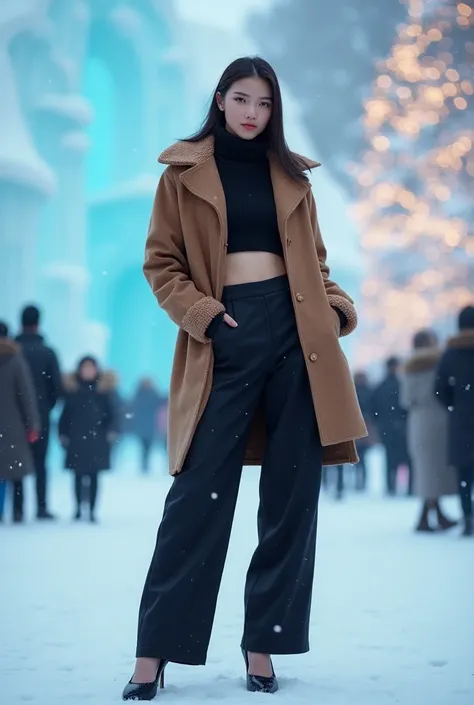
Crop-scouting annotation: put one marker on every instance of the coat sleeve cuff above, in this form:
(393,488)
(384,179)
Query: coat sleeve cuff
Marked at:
(199,316)
(340,304)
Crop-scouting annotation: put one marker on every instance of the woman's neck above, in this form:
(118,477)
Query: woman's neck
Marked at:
(234,148)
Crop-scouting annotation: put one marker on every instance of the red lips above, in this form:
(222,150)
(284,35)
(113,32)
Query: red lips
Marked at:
(248,126)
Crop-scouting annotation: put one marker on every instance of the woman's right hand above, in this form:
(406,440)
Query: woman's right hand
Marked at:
(230,321)
(216,324)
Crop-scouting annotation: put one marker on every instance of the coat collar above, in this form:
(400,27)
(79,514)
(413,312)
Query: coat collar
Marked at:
(202,178)
(30,338)
(422,361)
(106,382)
(193,153)
(463,341)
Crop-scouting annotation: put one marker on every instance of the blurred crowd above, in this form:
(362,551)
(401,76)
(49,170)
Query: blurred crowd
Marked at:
(421,413)
(93,418)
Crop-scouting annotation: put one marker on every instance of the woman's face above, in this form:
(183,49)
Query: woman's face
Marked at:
(247,106)
(88,371)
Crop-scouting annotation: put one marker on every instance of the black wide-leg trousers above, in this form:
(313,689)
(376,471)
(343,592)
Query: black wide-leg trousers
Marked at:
(260,361)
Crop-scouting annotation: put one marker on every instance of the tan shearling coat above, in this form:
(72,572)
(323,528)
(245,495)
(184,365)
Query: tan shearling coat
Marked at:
(184,265)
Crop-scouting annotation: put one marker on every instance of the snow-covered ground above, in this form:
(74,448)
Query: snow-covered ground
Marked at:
(392,622)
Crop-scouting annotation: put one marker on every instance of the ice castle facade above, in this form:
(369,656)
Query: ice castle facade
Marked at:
(92,90)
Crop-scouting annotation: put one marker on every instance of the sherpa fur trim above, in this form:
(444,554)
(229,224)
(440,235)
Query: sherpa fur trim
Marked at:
(422,360)
(191,153)
(464,340)
(107,382)
(8,347)
(199,316)
(347,309)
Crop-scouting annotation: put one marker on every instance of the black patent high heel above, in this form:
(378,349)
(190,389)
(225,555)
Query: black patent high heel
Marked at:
(260,684)
(146,691)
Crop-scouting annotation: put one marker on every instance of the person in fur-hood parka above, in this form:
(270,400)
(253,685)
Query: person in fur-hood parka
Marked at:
(427,432)
(88,425)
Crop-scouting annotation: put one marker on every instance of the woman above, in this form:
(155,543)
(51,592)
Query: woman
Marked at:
(235,257)
(87,428)
(19,422)
(427,432)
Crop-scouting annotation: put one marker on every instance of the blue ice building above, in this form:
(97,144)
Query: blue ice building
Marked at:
(93,91)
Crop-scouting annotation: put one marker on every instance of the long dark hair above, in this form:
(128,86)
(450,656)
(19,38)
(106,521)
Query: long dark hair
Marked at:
(247,67)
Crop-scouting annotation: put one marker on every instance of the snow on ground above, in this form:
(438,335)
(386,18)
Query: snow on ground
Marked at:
(392,621)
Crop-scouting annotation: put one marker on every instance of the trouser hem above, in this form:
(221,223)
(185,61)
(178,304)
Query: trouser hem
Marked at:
(173,658)
(262,648)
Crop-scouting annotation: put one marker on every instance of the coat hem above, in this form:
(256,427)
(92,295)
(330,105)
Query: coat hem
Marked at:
(326,443)
(256,461)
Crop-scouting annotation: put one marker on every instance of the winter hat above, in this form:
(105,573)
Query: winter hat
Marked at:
(466,318)
(87,358)
(425,338)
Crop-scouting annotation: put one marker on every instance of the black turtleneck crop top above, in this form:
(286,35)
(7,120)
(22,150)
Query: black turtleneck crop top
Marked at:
(245,175)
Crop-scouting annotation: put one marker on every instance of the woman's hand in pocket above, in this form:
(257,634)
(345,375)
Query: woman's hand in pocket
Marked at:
(337,322)
(216,325)
(230,321)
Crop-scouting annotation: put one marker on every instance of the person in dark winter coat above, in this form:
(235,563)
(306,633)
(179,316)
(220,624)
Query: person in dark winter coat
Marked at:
(427,432)
(390,421)
(364,396)
(146,406)
(44,368)
(88,427)
(19,422)
(454,388)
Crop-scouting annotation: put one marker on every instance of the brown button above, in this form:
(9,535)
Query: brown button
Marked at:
(299,297)
(313,357)
(288,240)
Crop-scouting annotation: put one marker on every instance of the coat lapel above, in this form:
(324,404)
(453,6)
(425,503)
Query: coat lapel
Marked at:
(288,193)
(202,179)
(204,182)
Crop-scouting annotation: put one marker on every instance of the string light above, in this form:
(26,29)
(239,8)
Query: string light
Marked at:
(416,179)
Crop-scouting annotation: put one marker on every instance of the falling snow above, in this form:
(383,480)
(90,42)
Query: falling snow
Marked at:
(391,620)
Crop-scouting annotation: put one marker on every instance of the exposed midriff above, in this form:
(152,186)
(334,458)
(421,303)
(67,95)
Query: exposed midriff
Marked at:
(245,267)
